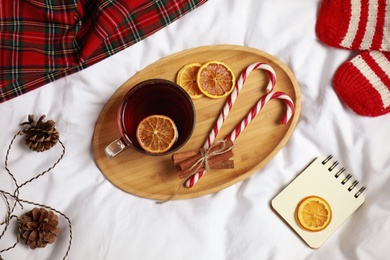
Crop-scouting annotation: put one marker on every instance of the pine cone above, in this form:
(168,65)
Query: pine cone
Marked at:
(40,136)
(39,227)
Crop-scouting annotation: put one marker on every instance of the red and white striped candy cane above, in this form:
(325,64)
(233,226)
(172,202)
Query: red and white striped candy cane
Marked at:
(228,106)
(249,117)
(233,96)
(256,109)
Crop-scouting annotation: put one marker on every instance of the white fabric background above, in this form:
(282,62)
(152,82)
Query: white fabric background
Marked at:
(235,223)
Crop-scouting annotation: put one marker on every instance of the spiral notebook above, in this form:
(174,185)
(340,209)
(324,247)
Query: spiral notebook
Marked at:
(325,179)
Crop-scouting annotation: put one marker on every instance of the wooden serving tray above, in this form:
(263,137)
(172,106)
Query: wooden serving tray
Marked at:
(155,177)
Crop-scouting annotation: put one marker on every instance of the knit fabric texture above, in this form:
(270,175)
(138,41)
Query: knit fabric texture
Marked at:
(355,24)
(363,83)
(41,41)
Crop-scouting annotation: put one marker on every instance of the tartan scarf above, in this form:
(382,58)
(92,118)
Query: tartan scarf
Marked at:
(44,40)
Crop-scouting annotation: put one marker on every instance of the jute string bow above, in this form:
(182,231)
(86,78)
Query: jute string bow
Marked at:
(201,160)
(207,154)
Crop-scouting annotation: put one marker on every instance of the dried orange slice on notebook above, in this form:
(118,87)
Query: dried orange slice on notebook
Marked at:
(156,133)
(186,78)
(215,79)
(314,213)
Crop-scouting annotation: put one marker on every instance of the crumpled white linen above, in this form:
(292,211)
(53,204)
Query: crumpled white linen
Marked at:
(237,222)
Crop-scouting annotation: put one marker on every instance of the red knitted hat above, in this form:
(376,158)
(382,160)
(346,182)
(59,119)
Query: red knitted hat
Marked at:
(355,24)
(363,83)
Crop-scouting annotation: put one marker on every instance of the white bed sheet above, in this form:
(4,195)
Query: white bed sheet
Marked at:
(237,222)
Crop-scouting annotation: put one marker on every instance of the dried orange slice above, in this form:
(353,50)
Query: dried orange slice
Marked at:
(156,133)
(314,213)
(186,78)
(215,79)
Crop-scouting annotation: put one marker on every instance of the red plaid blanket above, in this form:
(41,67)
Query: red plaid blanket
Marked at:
(41,41)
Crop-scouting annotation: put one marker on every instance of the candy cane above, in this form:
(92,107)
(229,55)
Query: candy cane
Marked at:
(245,122)
(233,96)
(256,109)
(228,106)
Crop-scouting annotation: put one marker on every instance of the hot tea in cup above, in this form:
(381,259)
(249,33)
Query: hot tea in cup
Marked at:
(150,104)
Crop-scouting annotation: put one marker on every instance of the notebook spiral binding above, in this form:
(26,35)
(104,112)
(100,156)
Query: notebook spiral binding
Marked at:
(346,178)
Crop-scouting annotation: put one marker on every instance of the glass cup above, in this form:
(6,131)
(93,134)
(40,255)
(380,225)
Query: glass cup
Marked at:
(153,97)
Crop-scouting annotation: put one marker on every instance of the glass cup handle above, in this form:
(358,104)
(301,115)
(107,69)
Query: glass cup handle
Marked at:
(115,147)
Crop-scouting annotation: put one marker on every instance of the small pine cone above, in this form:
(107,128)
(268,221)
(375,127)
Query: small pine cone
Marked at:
(40,135)
(39,227)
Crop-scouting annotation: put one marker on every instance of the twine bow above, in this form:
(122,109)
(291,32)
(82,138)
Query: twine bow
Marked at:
(217,149)
(208,153)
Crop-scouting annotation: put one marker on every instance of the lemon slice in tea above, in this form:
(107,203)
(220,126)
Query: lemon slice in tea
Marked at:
(156,133)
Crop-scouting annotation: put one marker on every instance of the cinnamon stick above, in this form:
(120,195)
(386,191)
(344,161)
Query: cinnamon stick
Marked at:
(179,157)
(182,156)
(225,164)
(192,160)
(216,162)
